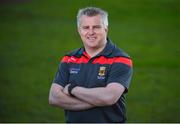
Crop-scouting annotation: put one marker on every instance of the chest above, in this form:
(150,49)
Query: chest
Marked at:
(89,74)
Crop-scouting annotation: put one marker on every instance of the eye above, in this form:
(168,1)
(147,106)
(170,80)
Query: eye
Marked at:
(97,27)
(85,27)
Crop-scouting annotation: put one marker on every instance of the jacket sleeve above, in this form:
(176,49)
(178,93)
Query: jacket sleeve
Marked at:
(62,74)
(120,73)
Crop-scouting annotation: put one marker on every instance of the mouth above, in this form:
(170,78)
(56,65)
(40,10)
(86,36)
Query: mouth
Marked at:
(91,38)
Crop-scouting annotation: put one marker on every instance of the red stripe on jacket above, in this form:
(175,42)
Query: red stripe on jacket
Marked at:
(99,60)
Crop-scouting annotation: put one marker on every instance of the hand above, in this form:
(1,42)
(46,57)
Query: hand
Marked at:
(65,90)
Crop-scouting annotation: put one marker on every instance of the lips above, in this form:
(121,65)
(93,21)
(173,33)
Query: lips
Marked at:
(91,38)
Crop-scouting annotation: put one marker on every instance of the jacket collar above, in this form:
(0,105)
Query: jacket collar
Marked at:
(105,52)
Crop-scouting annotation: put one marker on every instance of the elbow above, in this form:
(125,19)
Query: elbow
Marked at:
(106,101)
(52,102)
(110,100)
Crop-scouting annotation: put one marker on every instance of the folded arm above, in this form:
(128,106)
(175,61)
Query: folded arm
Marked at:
(60,99)
(101,96)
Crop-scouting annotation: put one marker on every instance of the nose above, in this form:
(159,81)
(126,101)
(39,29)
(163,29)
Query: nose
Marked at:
(91,31)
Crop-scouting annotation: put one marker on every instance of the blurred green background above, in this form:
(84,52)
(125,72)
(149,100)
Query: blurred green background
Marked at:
(34,35)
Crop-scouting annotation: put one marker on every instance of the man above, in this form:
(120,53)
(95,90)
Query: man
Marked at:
(91,82)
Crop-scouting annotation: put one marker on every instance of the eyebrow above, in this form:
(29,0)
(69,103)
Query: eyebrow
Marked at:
(92,26)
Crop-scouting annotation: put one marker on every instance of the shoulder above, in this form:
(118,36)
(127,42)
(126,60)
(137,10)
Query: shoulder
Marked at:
(120,56)
(76,53)
(118,52)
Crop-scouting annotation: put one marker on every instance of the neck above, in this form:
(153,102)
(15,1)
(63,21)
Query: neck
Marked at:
(94,51)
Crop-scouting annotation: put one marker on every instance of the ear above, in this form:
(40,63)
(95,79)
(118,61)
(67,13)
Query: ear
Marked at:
(106,29)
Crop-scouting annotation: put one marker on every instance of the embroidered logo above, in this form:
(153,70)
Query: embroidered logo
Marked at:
(102,71)
(74,70)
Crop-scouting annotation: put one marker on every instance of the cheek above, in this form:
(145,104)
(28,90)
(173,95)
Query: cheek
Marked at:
(102,34)
(82,33)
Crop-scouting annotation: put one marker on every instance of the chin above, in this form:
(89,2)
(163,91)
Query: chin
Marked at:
(92,44)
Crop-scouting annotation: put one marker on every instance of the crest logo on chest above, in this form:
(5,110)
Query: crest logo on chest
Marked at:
(102,71)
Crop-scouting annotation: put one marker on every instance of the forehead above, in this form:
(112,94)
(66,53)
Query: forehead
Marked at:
(90,20)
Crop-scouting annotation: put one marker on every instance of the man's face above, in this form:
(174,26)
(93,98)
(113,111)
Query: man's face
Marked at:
(92,31)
